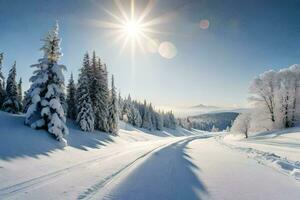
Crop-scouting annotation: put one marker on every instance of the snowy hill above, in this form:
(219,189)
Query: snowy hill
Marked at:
(18,140)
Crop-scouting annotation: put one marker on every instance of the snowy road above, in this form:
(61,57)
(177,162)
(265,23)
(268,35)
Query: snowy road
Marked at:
(193,167)
(200,168)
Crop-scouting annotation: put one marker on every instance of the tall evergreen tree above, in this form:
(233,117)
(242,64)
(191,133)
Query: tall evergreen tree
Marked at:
(134,116)
(120,106)
(2,82)
(100,95)
(147,118)
(113,110)
(71,99)
(20,94)
(159,121)
(47,90)
(85,113)
(12,103)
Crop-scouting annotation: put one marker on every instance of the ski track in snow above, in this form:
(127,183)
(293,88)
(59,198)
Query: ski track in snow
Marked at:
(28,185)
(40,181)
(91,192)
(282,165)
(37,182)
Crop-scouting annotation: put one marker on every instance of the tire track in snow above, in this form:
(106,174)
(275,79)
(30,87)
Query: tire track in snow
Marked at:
(93,190)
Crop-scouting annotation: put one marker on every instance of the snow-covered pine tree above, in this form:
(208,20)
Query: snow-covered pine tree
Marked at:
(173,122)
(153,118)
(113,110)
(85,114)
(12,103)
(45,108)
(71,99)
(101,95)
(2,82)
(120,106)
(147,118)
(132,114)
(159,121)
(126,108)
(20,94)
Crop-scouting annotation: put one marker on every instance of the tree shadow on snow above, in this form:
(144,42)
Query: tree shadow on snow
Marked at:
(18,140)
(167,174)
(84,140)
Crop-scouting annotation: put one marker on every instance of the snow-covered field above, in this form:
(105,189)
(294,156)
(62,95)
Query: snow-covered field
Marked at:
(141,165)
(277,149)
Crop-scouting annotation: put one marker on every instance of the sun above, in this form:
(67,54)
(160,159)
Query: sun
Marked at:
(132,29)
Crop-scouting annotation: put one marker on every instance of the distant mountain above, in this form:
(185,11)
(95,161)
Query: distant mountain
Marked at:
(202,106)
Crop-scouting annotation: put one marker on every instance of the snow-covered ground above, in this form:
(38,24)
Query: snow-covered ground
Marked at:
(277,149)
(135,165)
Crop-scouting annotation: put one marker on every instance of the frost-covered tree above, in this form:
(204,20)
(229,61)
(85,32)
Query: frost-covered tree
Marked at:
(242,124)
(46,92)
(71,99)
(12,103)
(263,90)
(287,95)
(113,118)
(2,82)
(85,113)
(275,95)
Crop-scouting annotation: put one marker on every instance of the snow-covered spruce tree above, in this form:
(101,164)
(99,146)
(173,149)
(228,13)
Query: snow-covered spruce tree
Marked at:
(134,117)
(45,108)
(12,103)
(2,82)
(147,118)
(71,99)
(159,121)
(99,94)
(113,111)
(173,122)
(153,118)
(120,106)
(20,94)
(126,108)
(85,113)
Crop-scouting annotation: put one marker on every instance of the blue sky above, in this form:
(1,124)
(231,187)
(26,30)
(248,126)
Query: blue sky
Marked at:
(212,66)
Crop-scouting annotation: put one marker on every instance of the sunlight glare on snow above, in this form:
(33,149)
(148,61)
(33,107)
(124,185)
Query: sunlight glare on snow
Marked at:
(167,50)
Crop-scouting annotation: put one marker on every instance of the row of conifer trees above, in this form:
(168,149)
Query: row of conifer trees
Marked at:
(90,102)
